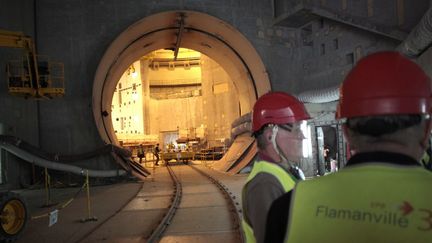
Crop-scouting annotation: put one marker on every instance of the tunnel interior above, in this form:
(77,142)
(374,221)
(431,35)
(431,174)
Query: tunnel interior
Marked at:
(218,43)
(183,104)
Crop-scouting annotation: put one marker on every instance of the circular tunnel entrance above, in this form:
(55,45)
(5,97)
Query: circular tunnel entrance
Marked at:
(172,30)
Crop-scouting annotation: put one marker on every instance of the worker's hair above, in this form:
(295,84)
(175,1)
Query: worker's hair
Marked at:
(403,129)
(380,125)
(261,141)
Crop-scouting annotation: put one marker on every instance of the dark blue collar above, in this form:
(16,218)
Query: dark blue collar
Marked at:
(382,157)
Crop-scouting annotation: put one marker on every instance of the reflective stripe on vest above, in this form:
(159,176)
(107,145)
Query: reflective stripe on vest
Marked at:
(284,178)
(365,203)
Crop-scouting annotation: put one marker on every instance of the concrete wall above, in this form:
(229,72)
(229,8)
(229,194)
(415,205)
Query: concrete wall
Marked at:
(78,32)
(18,117)
(221,107)
(175,114)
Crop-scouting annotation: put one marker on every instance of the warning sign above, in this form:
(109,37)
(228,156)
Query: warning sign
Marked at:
(53,218)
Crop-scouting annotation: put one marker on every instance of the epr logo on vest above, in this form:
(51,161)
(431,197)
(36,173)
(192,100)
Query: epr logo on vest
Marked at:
(386,217)
(380,214)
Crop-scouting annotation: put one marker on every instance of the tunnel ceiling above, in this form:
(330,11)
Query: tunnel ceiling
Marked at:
(186,29)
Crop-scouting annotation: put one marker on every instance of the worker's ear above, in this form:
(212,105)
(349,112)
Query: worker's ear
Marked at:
(267,133)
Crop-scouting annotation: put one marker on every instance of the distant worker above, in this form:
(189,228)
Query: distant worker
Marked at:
(383,194)
(178,153)
(156,151)
(327,158)
(276,123)
(140,153)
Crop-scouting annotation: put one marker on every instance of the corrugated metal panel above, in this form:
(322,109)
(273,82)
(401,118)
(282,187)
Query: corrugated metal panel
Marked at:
(237,149)
(245,160)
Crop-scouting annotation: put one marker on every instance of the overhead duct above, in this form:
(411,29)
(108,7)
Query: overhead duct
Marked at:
(23,145)
(241,125)
(32,154)
(245,118)
(320,96)
(59,166)
(240,129)
(419,39)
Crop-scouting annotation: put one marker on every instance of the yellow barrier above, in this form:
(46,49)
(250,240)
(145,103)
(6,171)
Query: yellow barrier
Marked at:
(89,217)
(64,205)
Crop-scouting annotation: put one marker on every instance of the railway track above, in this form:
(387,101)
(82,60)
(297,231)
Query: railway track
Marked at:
(190,178)
(191,206)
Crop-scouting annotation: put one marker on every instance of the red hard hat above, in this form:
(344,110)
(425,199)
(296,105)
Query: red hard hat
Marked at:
(277,108)
(384,83)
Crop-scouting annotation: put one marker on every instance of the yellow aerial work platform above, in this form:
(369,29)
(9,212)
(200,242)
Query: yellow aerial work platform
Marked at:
(32,75)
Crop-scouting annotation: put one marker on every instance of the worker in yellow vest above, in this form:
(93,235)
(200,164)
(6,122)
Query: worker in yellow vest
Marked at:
(384,193)
(276,120)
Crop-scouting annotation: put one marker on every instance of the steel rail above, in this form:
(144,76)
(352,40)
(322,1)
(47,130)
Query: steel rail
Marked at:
(166,221)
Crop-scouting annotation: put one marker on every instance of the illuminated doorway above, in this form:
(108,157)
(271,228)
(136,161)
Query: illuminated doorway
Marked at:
(171,30)
(191,96)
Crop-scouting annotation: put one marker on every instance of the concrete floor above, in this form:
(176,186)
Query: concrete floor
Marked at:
(131,210)
(202,215)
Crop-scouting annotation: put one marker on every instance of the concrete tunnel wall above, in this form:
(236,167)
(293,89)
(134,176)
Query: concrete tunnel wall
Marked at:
(229,48)
(78,33)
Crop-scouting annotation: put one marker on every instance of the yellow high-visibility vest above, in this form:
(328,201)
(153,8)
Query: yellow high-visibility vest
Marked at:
(284,178)
(364,203)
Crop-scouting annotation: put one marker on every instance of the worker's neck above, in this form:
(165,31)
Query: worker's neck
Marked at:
(270,157)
